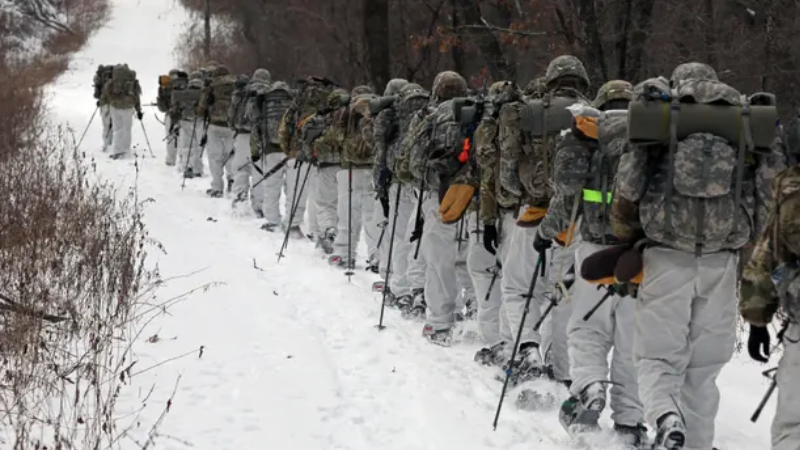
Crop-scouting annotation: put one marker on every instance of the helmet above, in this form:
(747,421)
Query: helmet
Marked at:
(410,88)
(502,92)
(262,76)
(174,73)
(393,86)
(338,98)
(449,85)
(196,83)
(613,90)
(219,71)
(693,71)
(535,88)
(564,66)
(361,90)
(196,75)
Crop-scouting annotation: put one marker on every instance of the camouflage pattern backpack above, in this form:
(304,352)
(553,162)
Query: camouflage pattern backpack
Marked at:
(237,110)
(176,80)
(219,97)
(123,89)
(101,77)
(357,146)
(184,101)
(274,102)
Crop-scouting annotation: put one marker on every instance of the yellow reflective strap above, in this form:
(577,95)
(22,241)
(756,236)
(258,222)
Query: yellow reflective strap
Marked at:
(593,196)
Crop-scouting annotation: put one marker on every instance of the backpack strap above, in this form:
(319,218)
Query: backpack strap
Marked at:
(745,143)
(675,108)
(546,105)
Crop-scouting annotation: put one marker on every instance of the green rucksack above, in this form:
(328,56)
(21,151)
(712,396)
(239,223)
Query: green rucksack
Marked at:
(221,94)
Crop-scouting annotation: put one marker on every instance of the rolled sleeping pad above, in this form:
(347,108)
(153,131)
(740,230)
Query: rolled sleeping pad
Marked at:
(376,105)
(630,267)
(649,122)
(599,267)
(559,117)
(459,105)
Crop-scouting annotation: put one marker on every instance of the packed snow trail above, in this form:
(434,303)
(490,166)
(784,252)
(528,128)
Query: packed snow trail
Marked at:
(291,356)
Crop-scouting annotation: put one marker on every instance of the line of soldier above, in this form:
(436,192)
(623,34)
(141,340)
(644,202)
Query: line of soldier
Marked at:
(567,228)
(118,96)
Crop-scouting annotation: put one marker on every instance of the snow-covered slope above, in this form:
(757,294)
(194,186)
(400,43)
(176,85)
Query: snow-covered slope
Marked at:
(291,356)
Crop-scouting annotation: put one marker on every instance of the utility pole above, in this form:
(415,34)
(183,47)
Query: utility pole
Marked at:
(207,49)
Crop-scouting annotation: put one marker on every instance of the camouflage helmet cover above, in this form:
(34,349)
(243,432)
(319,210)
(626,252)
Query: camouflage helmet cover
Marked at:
(220,71)
(394,86)
(174,72)
(563,66)
(196,83)
(410,88)
(196,75)
(501,92)
(693,71)
(613,90)
(449,85)
(361,90)
(338,98)
(536,88)
(262,76)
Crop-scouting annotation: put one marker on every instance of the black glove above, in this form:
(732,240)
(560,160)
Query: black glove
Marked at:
(490,238)
(98,103)
(385,205)
(758,343)
(418,226)
(203,141)
(139,115)
(255,158)
(541,244)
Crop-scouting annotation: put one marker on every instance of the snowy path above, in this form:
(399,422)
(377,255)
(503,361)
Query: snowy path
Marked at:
(291,358)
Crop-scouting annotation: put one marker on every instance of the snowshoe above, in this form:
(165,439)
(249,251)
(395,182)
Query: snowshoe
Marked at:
(378,286)
(170,163)
(404,302)
(581,413)
(338,261)
(188,173)
(373,268)
(230,186)
(269,226)
(533,400)
(492,356)
(213,193)
(325,242)
(472,309)
(116,156)
(634,437)
(443,338)
(258,213)
(528,365)
(417,307)
(671,434)
(390,300)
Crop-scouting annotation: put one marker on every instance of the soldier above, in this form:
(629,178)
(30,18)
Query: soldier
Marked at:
(772,282)
(585,167)
(176,80)
(525,172)
(433,160)
(495,212)
(123,94)
(356,202)
(218,137)
(260,83)
(182,107)
(697,212)
(101,77)
(313,94)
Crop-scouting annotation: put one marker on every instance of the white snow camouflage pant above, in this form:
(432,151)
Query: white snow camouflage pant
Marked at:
(269,190)
(355,209)
(440,251)
(417,267)
(240,163)
(122,124)
(685,330)
(189,143)
(326,197)
(108,130)
(312,216)
(398,284)
(554,344)
(786,425)
(218,149)
(611,326)
(297,175)
(465,240)
(171,140)
(492,319)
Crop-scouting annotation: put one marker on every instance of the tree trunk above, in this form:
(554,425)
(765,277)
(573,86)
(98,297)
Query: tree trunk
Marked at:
(591,42)
(642,23)
(624,28)
(376,33)
(709,32)
(490,49)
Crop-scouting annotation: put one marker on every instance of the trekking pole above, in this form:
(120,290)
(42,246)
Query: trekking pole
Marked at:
(147,139)
(87,127)
(389,261)
(297,167)
(609,293)
(495,275)
(419,214)
(528,297)
(350,264)
(272,171)
(189,154)
(767,395)
(295,205)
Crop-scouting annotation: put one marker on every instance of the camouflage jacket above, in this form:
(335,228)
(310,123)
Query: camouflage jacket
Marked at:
(259,144)
(287,133)
(385,140)
(402,170)
(587,170)
(121,97)
(493,196)
(772,276)
(357,145)
(325,134)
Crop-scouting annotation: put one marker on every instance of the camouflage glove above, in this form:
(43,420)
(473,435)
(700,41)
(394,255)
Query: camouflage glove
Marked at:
(758,343)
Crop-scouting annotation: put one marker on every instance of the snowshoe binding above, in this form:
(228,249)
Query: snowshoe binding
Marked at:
(325,241)
(213,193)
(258,213)
(389,299)
(404,302)
(528,365)
(339,261)
(418,306)
(472,309)
(378,286)
(671,434)
(230,186)
(117,156)
(495,355)
(189,174)
(579,414)
(442,338)
(269,226)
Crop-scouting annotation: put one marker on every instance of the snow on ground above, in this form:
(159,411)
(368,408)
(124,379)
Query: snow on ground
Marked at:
(292,358)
